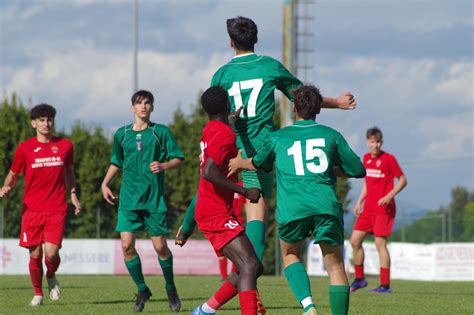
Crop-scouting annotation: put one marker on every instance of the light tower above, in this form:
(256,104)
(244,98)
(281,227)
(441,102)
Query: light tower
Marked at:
(297,46)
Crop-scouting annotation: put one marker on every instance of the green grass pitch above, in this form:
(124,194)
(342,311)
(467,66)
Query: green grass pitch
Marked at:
(114,295)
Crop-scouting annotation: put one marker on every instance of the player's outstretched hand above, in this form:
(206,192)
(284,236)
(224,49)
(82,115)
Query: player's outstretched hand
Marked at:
(346,101)
(4,191)
(235,164)
(76,203)
(108,195)
(181,237)
(252,194)
(156,167)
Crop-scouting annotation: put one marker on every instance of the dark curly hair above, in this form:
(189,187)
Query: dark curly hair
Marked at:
(308,101)
(42,110)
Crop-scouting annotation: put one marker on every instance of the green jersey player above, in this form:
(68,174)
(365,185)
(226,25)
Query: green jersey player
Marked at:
(143,151)
(307,157)
(250,81)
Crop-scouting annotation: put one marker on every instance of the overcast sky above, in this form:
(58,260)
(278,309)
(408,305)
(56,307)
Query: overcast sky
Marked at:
(409,64)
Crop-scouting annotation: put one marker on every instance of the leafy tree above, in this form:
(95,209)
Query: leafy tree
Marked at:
(15,127)
(92,158)
(460,197)
(468,222)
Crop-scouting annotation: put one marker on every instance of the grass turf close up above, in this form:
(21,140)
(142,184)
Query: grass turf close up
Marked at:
(115,295)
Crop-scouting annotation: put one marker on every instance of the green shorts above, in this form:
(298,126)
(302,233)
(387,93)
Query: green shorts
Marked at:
(260,180)
(139,220)
(324,228)
(256,179)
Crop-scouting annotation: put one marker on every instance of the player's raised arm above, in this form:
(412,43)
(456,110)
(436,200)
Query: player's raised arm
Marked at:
(345,101)
(8,184)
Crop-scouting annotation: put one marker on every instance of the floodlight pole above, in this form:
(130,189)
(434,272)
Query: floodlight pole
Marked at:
(135,47)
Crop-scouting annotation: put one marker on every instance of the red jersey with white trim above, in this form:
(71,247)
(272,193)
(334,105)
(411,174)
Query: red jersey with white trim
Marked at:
(44,168)
(381,172)
(218,143)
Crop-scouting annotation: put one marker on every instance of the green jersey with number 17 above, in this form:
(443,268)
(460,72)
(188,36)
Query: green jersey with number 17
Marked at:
(305,154)
(250,81)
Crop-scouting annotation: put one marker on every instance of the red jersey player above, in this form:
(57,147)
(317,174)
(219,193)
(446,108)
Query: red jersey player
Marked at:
(46,162)
(214,211)
(379,209)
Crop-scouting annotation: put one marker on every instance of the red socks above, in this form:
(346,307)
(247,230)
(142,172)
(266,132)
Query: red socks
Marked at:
(248,302)
(234,268)
(223,267)
(225,293)
(385,277)
(359,271)
(36,275)
(51,266)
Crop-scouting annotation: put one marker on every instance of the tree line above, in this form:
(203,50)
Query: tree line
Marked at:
(454,223)
(92,149)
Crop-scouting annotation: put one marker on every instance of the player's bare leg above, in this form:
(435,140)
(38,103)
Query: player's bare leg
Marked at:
(339,288)
(244,282)
(357,238)
(296,275)
(52,261)
(384,257)
(249,267)
(257,218)
(134,267)
(36,274)
(165,258)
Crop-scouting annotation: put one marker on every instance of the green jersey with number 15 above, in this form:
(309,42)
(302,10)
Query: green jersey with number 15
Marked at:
(305,154)
(250,81)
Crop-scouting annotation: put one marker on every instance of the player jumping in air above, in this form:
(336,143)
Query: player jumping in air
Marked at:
(305,155)
(46,161)
(379,209)
(144,151)
(214,212)
(250,81)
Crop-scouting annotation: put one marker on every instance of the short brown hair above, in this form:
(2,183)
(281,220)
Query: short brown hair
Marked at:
(374,132)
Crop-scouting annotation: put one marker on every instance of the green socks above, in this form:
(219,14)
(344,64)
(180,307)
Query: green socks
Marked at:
(167,267)
(134,267)
(339,299)
(189,224)
(256,233)
(299,281)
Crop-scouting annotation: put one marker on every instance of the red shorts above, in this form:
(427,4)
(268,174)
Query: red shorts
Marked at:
(220,231)
(379,224)
(38,227)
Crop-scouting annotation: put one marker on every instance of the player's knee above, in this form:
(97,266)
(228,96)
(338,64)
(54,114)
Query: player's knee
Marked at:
(355,243)
(380,243)
(51,256)
(253,267)
(128,249)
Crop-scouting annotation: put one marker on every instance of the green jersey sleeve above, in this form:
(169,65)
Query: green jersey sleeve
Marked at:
(347,160)
(216,78)
(169,146)
(286,82)
(117,148)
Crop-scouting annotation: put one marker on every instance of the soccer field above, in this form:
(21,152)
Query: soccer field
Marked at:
(114,295)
